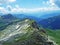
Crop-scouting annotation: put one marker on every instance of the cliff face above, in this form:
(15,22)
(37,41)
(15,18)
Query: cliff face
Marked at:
(25,32)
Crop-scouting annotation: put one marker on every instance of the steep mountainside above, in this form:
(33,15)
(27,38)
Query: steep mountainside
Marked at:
(25,32)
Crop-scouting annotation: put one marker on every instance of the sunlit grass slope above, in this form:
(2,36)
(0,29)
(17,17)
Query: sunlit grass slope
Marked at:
(55,34)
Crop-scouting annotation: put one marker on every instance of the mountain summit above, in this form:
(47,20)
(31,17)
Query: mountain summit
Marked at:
(24,32)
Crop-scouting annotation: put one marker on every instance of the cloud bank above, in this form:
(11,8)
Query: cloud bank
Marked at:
(18,9)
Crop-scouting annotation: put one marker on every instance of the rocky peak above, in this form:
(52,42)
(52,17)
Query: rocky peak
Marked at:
(25,32)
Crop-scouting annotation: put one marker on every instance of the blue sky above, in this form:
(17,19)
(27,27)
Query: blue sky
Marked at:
(31,3)
(26,3)
(28,6)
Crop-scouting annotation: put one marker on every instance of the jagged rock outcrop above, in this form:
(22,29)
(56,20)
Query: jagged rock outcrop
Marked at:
(25,32)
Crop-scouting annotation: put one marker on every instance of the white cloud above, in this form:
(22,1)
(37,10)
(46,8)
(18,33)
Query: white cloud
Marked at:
(6,1)
(11,0)
(25,10)
(0,3)
(9,7)
(52,2)
(18,9)
(3,10)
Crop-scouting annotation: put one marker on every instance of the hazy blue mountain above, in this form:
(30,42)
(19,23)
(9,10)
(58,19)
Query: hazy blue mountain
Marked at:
(8,16)
(46,20)
(39,15)
(39,18)
(5,20)
(52,22)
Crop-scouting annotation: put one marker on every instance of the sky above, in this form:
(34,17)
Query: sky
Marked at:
(28,6)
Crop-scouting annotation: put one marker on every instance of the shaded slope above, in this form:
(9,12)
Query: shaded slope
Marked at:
(52,22)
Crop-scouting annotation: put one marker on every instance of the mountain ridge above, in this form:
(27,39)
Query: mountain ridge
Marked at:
(24,32)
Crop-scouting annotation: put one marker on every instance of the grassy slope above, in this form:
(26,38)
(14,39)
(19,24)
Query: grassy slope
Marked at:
(55,34)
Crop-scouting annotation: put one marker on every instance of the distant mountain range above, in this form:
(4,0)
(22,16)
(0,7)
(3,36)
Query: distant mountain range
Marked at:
(51,21)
